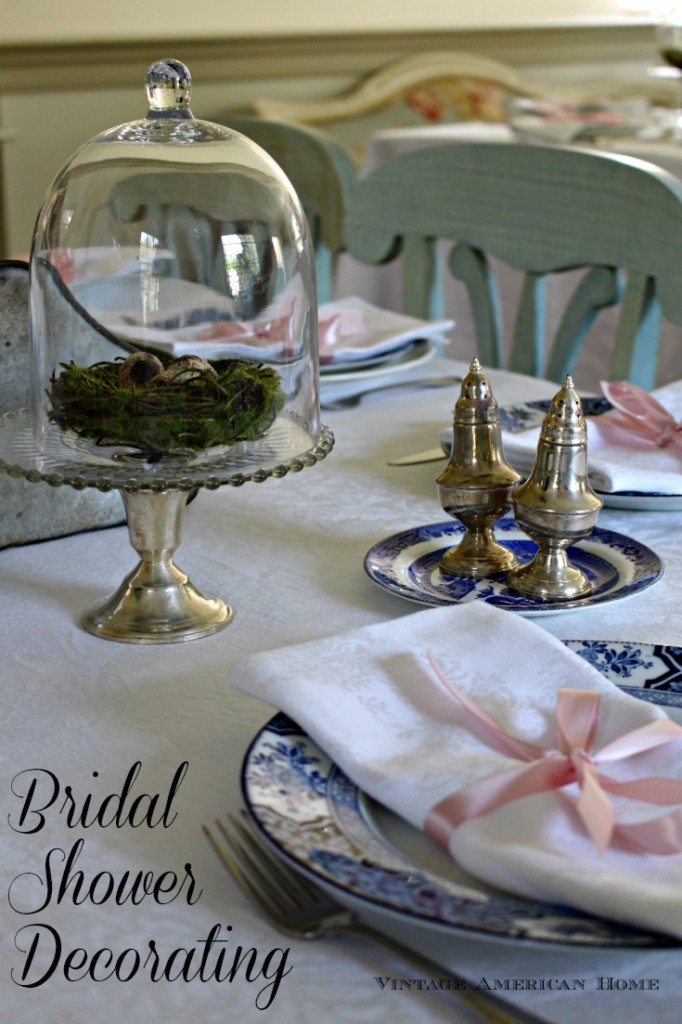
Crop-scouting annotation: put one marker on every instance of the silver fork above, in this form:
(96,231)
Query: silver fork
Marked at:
(302,909)
(350,401)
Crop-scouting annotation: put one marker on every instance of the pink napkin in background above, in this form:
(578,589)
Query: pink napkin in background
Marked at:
(330,330)
(637,412)
(370,699)
(335,328)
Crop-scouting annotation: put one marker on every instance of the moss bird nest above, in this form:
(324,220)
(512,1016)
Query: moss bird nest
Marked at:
(188,403)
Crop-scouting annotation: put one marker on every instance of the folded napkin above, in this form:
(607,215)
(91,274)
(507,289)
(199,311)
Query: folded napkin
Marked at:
(618,458)
(199,321)
(372,700)
(332,327)
(352,329)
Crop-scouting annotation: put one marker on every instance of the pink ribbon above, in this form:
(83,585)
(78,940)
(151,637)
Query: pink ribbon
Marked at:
(640,413)
(331,330)
(573,761)
(280,328)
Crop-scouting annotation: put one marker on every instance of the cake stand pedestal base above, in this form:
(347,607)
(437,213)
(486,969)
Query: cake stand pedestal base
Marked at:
(156,603)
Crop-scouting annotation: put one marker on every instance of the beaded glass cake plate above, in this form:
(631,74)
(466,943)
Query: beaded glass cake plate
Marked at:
(315,817)
(406,564)
(73,461)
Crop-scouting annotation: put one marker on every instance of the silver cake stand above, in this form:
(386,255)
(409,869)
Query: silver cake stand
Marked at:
(156,602)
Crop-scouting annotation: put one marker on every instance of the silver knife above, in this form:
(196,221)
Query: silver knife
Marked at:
(515,419)
(432,455)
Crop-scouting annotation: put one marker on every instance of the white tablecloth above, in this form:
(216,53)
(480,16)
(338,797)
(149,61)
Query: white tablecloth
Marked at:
(288,554)
(382,285)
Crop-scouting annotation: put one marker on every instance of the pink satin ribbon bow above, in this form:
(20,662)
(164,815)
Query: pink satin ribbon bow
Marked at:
(640,413)
(544,769)
(331,330)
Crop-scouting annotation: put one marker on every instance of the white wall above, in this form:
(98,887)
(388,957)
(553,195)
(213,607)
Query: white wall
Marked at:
(48,126)
(39,21)
(48,122)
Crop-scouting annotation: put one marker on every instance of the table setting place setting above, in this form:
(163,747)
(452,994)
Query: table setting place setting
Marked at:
(361,346)
(637,423)
(428,764)
(500,802)
(371,712)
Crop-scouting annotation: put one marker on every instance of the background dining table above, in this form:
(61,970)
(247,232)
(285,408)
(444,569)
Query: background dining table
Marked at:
(78,712)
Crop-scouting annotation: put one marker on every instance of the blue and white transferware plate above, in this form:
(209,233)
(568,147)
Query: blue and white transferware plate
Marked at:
(319,821)
(525,415)
(406,564)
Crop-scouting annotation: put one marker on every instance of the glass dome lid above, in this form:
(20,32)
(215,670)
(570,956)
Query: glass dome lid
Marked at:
(172,307)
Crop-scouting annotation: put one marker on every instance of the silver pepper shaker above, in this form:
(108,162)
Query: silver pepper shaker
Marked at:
(476,484)
(556,506)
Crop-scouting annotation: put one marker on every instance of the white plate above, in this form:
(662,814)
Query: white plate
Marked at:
(636,501)
(316,818)
(406,564)
(409,358)
(382,333)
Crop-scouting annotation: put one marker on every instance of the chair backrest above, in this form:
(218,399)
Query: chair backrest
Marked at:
(422,88)
(189,215)
(542,210)
(322,175)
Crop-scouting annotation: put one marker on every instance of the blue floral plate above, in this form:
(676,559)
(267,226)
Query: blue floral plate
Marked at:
(406,564)
(316,818)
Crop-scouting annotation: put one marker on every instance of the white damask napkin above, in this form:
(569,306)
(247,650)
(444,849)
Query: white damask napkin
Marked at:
(617,459)
(371,699)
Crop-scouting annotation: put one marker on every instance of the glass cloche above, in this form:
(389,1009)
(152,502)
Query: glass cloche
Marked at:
(173,323)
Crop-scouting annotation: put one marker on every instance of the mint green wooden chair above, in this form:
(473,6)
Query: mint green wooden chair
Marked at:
(542,210)
(322,175)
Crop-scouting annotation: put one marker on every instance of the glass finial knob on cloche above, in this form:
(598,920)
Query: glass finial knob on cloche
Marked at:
(169,88)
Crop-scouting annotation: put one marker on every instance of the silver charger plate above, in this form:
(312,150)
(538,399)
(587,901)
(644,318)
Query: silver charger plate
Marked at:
(318,820)
(406,564)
